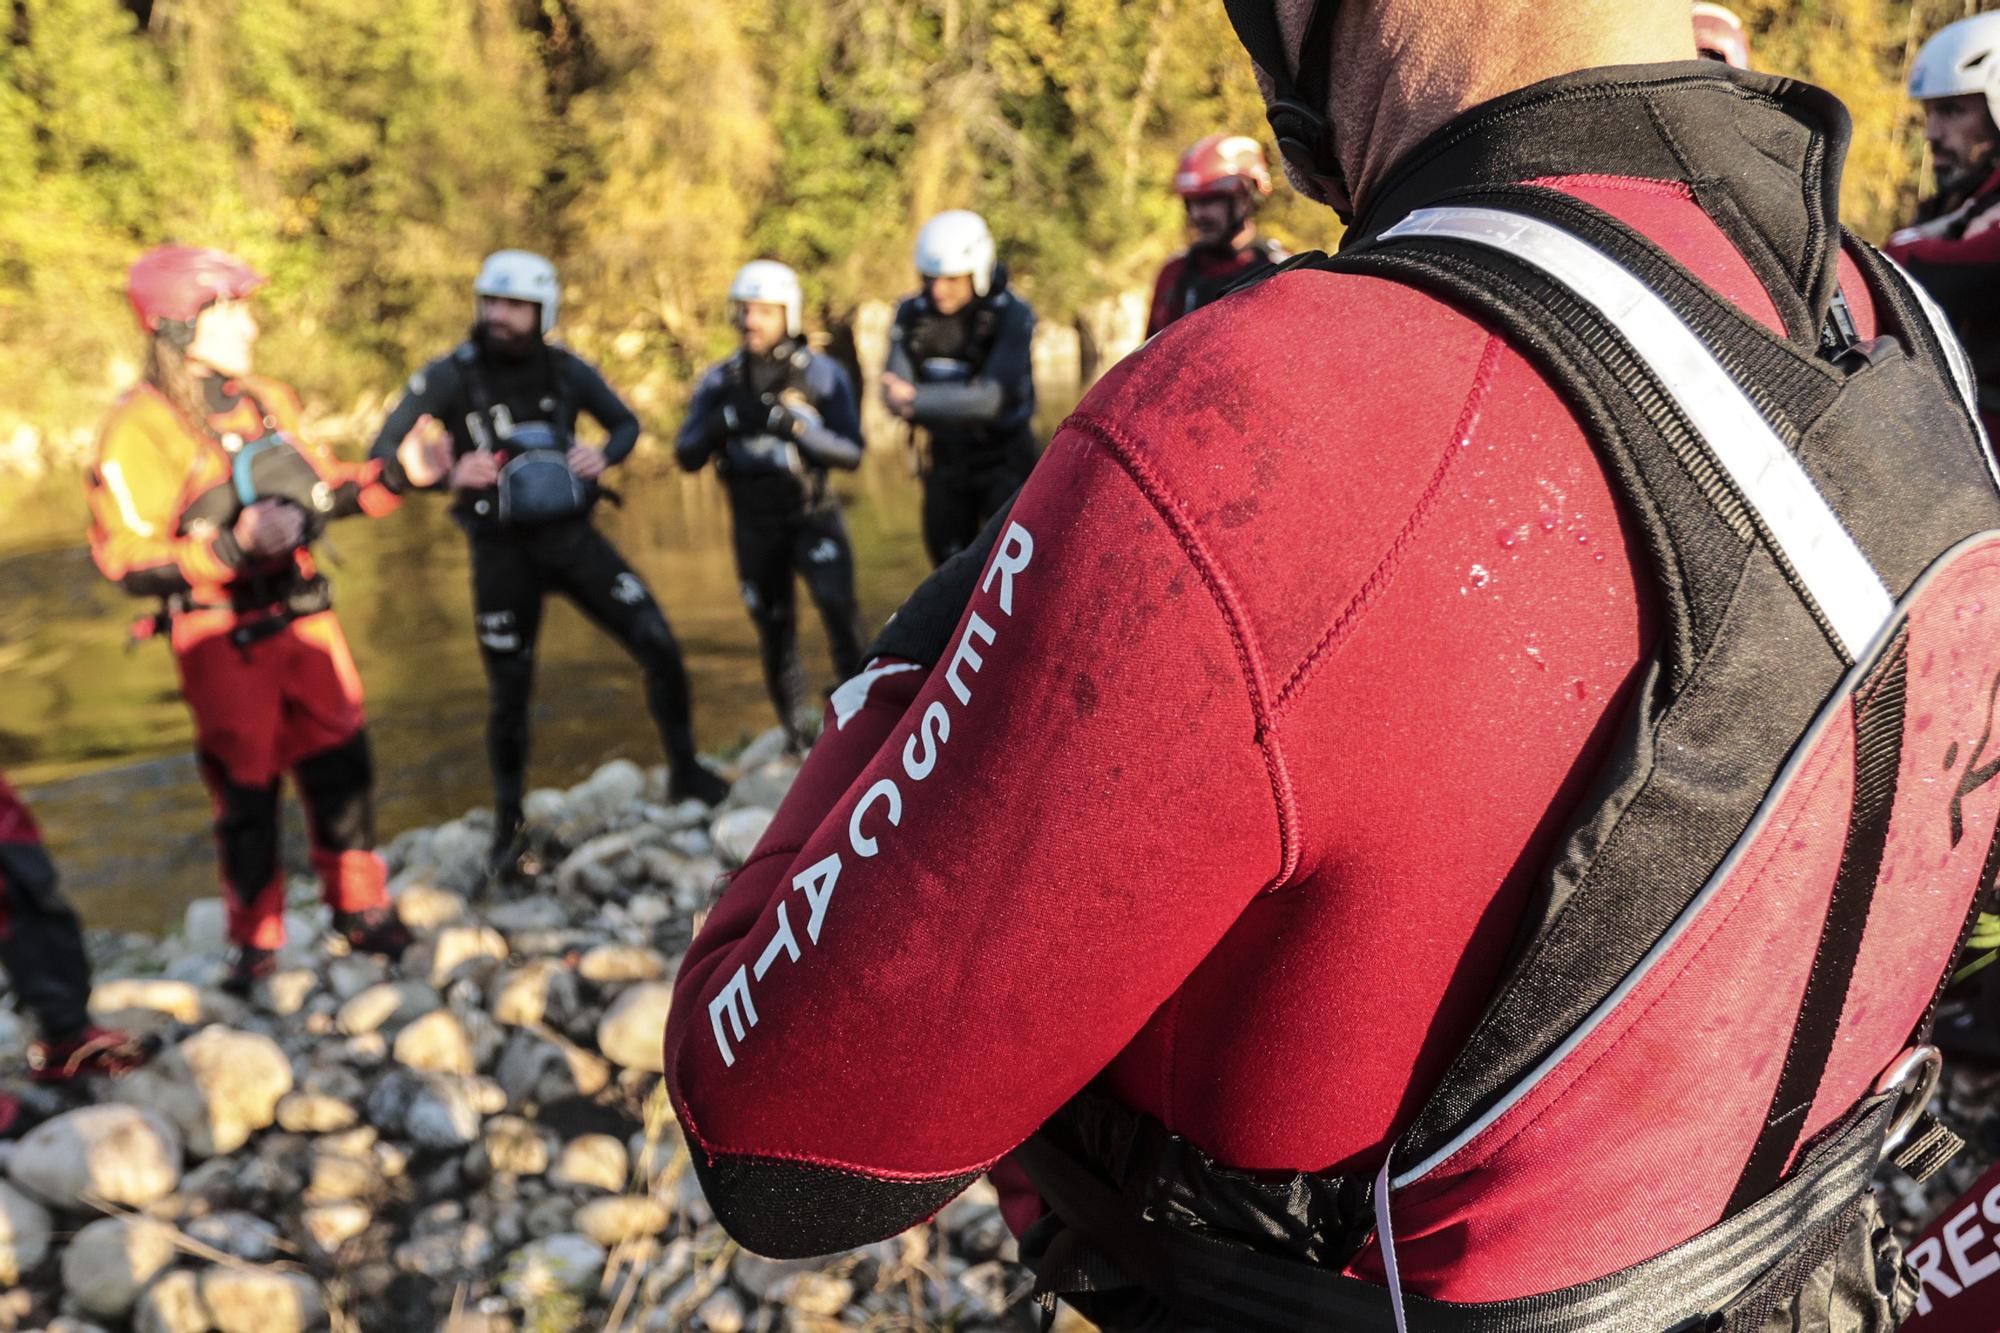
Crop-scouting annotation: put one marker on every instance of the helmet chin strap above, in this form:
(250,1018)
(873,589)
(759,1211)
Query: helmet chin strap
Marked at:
(1297,109)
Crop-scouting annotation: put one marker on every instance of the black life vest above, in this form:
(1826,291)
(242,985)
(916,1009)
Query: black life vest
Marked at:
(266,466)
(751,388)
(531,435)
(948,349)
(1199,286)
(1683,1036)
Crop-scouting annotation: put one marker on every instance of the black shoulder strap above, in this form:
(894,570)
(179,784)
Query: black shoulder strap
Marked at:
(473,376)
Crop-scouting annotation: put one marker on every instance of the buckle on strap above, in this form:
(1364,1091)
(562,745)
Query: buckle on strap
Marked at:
(1917,1143)
(1914,1074)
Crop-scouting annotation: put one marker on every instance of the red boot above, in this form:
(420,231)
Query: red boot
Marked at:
(94,1050)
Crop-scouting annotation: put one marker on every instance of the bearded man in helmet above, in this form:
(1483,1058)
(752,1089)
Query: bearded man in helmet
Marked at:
(1221,179)
(523,487)
(1509,898)
(961,370)
(206,498)
(775,418)
(1953,249)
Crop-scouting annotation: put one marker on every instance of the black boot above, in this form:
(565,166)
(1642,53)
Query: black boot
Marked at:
(692,778)
(503,858)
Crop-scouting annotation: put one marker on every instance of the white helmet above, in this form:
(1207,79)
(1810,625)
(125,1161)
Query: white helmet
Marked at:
(521,276)
(769,281)
(1961,58)
(956,243)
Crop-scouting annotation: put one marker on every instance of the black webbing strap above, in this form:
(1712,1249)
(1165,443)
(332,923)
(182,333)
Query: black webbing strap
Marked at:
(1712,1281)
(1878,759)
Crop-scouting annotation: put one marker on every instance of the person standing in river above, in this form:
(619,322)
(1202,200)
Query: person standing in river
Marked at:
(775,417)
(523,488)
(961,368)
(1221,180)
(205,497)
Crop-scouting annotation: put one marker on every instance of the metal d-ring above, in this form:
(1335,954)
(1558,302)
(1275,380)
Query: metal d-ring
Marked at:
(1925,1065)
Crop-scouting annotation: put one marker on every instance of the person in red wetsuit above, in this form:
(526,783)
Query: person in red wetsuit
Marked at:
(41,951)
(1221,179)
(204,495)
(1221,779)
(1953,251)
(1953,248)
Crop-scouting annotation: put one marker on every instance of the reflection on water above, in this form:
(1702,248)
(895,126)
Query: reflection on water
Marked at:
(97,736)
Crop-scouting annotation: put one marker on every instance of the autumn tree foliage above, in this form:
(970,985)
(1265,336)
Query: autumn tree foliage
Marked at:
(366,153)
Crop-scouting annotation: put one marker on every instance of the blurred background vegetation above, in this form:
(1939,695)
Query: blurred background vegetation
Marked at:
(366,153)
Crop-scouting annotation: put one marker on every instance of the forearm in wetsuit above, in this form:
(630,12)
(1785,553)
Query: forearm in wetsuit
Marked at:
(1001,394)
(835,439)
(431,392)
(591,394)
(975,897)
(703,430)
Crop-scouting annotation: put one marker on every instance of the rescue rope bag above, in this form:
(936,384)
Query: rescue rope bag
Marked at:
(1669,1113)
(536,485)
(269,466)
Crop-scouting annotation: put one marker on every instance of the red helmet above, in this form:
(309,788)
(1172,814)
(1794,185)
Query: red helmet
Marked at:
(1720,35)
(1220,163)
(174,283)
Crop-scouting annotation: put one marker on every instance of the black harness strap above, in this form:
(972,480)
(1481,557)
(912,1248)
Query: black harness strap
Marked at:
(1726,1278)
(1878,759)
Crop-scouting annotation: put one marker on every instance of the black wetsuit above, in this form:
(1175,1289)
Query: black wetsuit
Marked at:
(974,376)
(515,566)
(774,425)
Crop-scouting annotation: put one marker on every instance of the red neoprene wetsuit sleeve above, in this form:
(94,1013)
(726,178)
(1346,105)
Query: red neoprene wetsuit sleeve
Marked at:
(944,947)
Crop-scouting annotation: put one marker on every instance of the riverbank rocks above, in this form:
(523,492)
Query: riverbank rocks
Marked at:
(436,1043)
(178,1000)
(426,907)
(596,1161)
(123,1155)
(613,963)
(736,834)
(616,1221)
(110,1262)
(219,1087)
(554,1264)
(260,1300)
(440,958)
(633,1031)
(509,1145)
(25,1231)
(173,1304)
(481,1122)
(386,1004)
(543,991)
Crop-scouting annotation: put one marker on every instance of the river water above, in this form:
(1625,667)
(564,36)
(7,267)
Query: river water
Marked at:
(96,735)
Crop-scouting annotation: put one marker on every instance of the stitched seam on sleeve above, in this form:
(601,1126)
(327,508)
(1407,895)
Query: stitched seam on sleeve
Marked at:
(1384,573)
(1249,661)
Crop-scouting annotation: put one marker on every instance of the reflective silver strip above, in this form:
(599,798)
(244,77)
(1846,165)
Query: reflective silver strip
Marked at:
(1961,365)
(1836,575)
(114,481)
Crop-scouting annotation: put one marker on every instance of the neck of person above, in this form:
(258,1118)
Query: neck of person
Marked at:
(1408,67)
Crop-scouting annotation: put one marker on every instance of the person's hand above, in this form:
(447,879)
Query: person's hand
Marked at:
(269,527)
(425,453)
(475,472)
(899,394)
(586,462)
(782,422)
